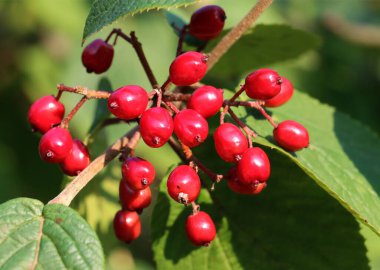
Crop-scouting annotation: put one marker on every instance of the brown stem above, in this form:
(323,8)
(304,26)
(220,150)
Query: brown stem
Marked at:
(232,99)
(171,106)
(65,122)
(88,93)
(182,34)
(176,97)
(195,207)
(249,132)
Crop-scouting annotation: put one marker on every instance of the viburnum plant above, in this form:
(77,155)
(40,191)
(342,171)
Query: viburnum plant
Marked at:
(188,114)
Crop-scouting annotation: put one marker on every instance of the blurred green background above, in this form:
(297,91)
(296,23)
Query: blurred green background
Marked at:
(40,46)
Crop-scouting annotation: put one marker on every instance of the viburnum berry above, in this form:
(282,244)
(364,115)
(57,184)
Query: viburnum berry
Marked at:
(156,126)
(236,186)
(134,200)
(263,84)
(97,56)
(284,96)
(184,184)
(190,127)
(138,173)
(128,102)
(127,226)
(45,112)
(207,22)
(188,68)
(55,145)
(200,229)
(206,100)
(253,167)
(230,142)
(77,160)
(291,135)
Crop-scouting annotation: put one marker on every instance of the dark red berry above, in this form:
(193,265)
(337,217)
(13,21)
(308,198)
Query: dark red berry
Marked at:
(128,102)
(236,186)
(134,200)
(190,127)
(206,100)
(207,22)
(156,126)
(284,96)
(253,167)
(77,160)
(291,135)
(97,56)
(184,184)
(45,112)
(263,84)
(55,145)
(230,142)
(138,173)
(127,226)
(188,68)
(200,229)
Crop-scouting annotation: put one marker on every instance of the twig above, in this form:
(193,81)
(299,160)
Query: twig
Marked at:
(88,93)
(249,132)
(226,104)
(65,122)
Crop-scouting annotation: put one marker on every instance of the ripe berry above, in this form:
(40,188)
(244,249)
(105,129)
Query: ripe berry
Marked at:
(291,135)
(45,112)
(188,68)
(128,102)
(156,126)
(200,229)
(190,127)
(230,142)
(77,160)
(253,167)
(207,22)
(184,184)
(137,173)
(127,226)
(284,96)
(97,56)
(206,100)
(134,200)
(236,186)
(55,145)
(263,84)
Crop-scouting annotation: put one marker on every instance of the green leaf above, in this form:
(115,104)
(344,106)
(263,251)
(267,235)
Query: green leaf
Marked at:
(104,12)
(53,236)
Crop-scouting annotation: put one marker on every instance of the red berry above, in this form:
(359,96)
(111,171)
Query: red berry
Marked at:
(77,160)
(45,112)
(236,186)
(127,226)
(200,229)
(156,126)
(97,56)
(138,173)
(55,145)
(230,142)
(253,167)
(284,96)
(206,100)
(291,135)
(184,184)
(128,102)
(190,127)
(188,68)
(134,200)
(263,84)
(207,22)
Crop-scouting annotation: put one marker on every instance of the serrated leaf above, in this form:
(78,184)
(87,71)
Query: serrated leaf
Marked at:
(53,236)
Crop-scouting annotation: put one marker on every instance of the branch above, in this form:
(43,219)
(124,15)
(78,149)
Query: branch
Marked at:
(88,93)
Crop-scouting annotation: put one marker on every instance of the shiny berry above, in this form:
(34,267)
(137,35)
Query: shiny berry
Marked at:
(190,127)
(206,100)
(137,173)
(236,186)
(230,142)
(291,135)
(77,160)
(188,68)
(263,84)
(127,226)
(200,229)
(284,96)
(55,145)
(97,56)
(128,102)
(207,22)
(184,184)
(156,126)
(253,167)
(134,200)
(45,112)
